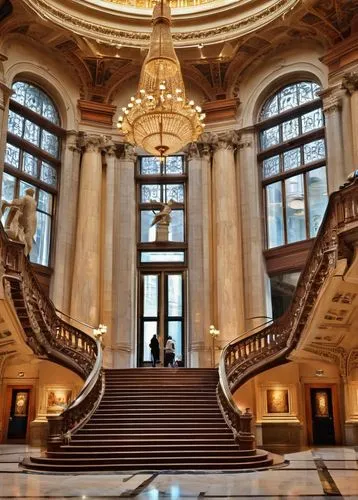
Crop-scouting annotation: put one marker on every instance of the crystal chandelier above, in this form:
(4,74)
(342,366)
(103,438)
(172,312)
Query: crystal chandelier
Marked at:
(159,118)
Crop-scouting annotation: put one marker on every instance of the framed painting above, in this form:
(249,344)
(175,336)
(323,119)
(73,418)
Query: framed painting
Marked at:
(57,400)
(277,401)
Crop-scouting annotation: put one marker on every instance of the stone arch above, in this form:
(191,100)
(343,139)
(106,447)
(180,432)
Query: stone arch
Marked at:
(49,83)
(272,82)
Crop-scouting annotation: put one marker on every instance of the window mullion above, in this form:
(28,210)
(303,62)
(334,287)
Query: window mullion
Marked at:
(306,205)
(284,218)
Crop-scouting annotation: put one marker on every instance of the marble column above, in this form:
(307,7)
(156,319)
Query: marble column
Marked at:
(255,278)
(227,244)
(85,297)
(66,224)
(110,187)
(332,107)
(124,264)
(5,93)
(199,255)
(350,83)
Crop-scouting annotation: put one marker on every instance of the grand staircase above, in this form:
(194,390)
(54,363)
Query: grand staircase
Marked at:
(148,419)
(154,419)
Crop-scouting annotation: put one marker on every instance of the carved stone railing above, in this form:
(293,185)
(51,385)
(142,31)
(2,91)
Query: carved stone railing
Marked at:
(249,355)
(51,338)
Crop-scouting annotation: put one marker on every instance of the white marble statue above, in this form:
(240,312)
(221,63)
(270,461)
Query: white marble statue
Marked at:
(162,220)
(21,221)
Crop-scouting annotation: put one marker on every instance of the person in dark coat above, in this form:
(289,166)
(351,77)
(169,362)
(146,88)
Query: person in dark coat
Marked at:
(154,347)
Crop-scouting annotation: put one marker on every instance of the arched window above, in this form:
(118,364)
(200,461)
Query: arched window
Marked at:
(292,160)
(32,159)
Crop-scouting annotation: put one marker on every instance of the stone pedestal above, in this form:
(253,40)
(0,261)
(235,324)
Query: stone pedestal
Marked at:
(227,247)
(162,231)
(38,432)
(85,298)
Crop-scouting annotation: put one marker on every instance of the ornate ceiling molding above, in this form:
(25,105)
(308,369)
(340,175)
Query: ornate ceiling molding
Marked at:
(115,28)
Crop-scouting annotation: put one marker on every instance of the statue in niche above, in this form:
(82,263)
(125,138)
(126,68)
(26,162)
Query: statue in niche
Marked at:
(21,221)
(162,220)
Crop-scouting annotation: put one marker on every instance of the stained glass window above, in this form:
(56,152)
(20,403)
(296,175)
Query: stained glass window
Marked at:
(31,158)
(34,98)
(292,159)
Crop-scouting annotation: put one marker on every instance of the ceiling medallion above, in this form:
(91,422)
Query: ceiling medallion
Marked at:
(159,118)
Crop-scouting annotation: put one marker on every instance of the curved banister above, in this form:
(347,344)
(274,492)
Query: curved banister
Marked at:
(52,338)
(253,353)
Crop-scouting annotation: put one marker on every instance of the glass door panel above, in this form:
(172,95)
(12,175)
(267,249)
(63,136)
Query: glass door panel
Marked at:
(150,328)
(161,314)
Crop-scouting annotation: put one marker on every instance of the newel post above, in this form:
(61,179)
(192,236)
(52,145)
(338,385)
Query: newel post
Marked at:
(245,437)
(55,425)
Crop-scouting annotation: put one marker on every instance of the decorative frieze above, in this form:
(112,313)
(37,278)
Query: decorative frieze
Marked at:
(96,112)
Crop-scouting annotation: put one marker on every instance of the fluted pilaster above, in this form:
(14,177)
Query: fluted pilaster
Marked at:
(255,278)
(350,84)
(332,108)
(66,224)
(124,254)
(5,93)
(85,300)
(110,191)
(200,253)
(227,244)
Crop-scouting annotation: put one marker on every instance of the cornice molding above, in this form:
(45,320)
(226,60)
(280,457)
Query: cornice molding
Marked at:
(135,36)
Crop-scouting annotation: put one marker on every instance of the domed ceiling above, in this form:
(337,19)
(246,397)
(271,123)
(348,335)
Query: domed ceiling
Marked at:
(104,42)
(127,22)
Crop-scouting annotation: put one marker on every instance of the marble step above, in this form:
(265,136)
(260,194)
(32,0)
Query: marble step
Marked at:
(149,455)
(153,441)
(155,446)
(135,435)
(190,465)
(168,426)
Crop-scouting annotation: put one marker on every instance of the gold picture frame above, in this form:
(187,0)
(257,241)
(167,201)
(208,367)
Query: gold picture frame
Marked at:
(277,401)
(57,400)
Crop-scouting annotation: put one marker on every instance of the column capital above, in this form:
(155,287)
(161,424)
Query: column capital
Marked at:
(127,152)
(94,143)
(350,82)
(227,141)
(332,99)
(73,141)
(198,150)
(5,93)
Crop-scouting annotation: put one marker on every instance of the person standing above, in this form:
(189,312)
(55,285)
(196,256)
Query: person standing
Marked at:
(169,353)
(154,348)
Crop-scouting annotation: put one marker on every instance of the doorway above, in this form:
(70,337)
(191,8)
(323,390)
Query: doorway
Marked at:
(17,416)
(322,415)
(161,313)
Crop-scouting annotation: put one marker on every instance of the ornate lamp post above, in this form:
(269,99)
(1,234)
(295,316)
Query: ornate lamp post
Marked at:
(214,333)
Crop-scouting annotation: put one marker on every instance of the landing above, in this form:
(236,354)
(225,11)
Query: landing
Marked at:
(318,472)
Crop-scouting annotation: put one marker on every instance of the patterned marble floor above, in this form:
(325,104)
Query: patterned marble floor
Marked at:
(312,474)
